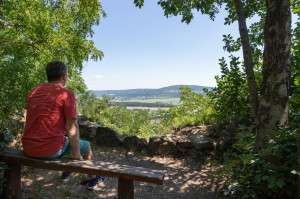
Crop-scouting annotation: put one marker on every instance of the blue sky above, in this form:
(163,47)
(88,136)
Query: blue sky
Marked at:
(144,49)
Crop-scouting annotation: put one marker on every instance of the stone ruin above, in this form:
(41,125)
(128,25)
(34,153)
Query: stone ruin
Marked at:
(191,141)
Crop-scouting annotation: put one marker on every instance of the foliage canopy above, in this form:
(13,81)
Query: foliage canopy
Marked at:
(35,32)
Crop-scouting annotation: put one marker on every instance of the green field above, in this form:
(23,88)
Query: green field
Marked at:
(172,101)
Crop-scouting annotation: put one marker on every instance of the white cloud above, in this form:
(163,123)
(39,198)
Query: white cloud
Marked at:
(99,76)
(115,76)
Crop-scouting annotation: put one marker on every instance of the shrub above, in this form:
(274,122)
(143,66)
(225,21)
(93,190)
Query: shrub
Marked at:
(269,173)
(230,98)
(195,109)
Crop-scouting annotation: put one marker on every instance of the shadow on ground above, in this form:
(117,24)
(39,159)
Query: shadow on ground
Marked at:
(185,178)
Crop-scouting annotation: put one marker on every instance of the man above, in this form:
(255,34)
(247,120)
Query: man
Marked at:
(51,113)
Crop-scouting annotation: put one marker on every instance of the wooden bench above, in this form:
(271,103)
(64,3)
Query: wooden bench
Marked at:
(126,174)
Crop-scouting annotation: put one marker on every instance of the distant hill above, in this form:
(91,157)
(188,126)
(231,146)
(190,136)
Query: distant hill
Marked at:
(165,92)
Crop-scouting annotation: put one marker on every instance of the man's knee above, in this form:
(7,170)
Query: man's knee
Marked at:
(88,153)
(88,149)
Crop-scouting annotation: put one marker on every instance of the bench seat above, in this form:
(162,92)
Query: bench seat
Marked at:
(14,158)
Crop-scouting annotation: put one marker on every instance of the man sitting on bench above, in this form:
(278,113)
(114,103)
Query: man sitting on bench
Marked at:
(51,113)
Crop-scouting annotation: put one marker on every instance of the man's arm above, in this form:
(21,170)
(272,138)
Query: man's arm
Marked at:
(73,135)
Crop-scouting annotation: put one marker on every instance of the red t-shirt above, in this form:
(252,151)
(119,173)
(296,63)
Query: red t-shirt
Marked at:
(47,107)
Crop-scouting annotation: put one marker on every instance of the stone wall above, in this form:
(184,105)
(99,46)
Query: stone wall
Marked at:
(192,142)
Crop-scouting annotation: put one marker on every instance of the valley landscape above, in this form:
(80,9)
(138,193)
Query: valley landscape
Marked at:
(150,98)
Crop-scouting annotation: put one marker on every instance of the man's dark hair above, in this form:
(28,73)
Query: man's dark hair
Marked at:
(55,70)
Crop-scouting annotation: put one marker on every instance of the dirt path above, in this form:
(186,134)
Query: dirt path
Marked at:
(185,178)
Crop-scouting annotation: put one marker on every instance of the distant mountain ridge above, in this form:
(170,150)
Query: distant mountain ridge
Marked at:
(165,92)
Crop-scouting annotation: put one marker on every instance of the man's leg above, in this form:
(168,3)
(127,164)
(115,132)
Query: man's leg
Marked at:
(88,155)
(93,180)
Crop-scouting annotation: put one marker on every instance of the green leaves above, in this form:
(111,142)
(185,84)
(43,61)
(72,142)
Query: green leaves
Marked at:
(195,109)
(295,62)
(34,32)
(230,44)
(249,175)
(186,8)
(139,3)
(265,177)
(230,97)
(47,30)
(280,183)
(295,6)
(121,119)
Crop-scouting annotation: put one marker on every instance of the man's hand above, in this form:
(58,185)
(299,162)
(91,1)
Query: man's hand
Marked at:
(76,157)
(73,135)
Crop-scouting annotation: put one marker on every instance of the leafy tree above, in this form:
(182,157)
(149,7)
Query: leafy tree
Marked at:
(230,98)
(131,122)
(195,109)
(90,106)
(270,108)
(35,32)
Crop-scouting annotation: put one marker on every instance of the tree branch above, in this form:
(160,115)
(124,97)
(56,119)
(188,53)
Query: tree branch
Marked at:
(5,24)
(24,43)
(248,61)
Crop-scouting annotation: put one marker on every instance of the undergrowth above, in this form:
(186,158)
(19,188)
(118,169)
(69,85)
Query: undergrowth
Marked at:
(270,173)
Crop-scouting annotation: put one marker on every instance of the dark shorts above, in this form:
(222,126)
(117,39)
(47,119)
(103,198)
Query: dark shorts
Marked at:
(67,150)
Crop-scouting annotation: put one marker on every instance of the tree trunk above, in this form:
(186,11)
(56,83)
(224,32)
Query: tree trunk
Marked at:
(273,106)
(248,61)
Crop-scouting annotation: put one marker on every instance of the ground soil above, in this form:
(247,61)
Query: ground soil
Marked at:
(186,177)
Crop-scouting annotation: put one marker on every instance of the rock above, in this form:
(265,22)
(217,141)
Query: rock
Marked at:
(135,142)
(82,118)
(193,153)
(191,140)
(203,145)
(201,142)
(182,149)
(88,131)
(170,138)
(185,143)
(203,128)
(108,137)
(164,145)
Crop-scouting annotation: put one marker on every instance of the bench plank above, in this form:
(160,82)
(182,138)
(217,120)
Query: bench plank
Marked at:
(15,156)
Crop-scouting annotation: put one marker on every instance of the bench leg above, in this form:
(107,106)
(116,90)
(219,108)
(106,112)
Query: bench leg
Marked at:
(12,184)
(125,189)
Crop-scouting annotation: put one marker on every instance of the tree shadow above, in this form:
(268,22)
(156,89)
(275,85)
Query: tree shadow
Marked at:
(185,178)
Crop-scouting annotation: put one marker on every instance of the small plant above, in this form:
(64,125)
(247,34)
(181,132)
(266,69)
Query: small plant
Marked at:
(269,173)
